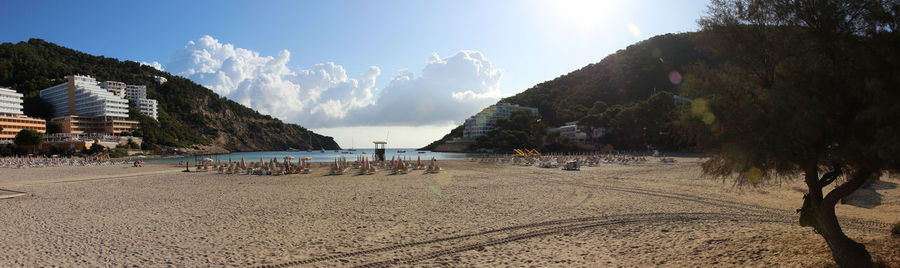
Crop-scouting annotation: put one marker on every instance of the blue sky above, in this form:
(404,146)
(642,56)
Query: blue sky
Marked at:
(433,62)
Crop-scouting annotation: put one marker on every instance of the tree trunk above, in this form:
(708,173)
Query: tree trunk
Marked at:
(818,212)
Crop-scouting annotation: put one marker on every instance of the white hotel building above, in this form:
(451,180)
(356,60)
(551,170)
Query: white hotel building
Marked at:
(12,120)
(117,88)
(83,96)
(137,96)
(483,122)
(81,105)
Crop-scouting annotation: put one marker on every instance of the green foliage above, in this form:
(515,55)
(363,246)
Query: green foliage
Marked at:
(118,152)
(132,145)
(455,133)
(521,130)
(896,229)
(624,77)
(784,99)
(166,131)
(640,126)
(29,137)
(188,113)
(6,150)
(59,150)
(623,93)
(96,148)
(800,87)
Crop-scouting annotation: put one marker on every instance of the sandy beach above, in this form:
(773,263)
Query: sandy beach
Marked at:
(471,214)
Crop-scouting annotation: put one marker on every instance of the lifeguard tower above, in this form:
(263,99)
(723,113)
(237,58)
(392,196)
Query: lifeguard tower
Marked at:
(379,150)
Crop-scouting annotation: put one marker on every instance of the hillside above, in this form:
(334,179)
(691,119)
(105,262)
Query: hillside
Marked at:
(617,82)
(188,113)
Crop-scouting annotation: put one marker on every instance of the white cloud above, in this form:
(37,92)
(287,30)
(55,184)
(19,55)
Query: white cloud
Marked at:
(449,89)
(154,64)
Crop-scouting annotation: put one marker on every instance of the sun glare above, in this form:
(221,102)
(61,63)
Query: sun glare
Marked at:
(587,13)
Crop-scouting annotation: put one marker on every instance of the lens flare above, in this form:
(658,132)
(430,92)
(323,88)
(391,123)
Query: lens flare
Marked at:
(700,108)
(754,175)
(435,190)
(675,77)
(634,30)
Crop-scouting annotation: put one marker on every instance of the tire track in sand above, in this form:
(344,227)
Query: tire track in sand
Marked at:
(525,231)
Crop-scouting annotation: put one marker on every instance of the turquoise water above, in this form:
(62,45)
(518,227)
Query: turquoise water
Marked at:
(327,156)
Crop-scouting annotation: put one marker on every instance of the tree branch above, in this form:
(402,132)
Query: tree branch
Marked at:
(829,177)
(855,182)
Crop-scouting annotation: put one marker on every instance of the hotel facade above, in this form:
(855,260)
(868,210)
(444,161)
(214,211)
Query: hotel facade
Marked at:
(137,97)
(12,120)
(82,105)
(480,124)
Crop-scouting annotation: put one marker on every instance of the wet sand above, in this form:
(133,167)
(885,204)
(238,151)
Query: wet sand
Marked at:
(472,214)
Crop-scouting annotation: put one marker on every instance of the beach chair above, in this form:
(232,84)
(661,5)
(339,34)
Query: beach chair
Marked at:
(338,168)
(433,167)
(419,165)
(399,168)
(572,165)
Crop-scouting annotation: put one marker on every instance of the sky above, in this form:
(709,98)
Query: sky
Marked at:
(405,71)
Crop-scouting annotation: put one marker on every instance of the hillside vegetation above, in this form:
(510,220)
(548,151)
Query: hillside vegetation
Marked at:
(188,113)
(629,92)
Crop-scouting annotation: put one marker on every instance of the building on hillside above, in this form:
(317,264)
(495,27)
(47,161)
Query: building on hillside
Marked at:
(117,88)
(135,92)
(479,124)
(137,97)
(598,132)
(12,120)
(81,105)
(160,80)
(147,107)
(571,132)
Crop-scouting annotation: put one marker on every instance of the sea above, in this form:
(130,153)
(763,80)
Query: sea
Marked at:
(326,156)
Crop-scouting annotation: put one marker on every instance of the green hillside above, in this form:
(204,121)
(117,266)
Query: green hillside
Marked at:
(616,93)
(188,113)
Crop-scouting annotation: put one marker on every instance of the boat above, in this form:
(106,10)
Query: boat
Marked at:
(401,151)
(351,146)
(422,152)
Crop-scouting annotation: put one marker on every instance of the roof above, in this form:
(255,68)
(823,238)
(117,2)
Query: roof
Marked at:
(379,142)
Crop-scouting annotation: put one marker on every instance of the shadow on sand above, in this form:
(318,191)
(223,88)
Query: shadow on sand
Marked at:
(868,197)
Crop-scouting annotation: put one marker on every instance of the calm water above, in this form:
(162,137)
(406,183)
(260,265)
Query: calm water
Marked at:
(327,156)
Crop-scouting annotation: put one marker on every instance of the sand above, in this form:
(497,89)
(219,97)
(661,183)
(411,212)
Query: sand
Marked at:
(472,214)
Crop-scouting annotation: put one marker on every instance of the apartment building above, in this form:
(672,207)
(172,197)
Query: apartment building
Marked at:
(483,122)
(137,97)
(12,120)
(82,105)
(117,88)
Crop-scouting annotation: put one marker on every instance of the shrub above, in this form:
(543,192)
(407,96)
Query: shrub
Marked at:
(896,230)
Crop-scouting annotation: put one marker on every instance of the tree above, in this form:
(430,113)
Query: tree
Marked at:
(799,87)
(29,137)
